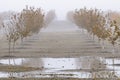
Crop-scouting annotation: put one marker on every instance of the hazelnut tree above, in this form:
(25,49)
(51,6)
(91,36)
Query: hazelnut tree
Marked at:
(30,21)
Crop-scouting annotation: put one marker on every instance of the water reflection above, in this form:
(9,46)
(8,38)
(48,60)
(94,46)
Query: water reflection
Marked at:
(90,63)
(33,62)
(82,67)
(12,61)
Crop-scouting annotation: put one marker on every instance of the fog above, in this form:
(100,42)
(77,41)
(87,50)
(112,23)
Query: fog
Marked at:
(60,26)
(60,6)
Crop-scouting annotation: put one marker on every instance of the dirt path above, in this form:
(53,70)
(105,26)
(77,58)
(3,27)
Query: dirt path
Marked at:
(58,44)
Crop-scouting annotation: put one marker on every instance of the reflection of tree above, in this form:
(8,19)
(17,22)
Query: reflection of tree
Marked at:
(94,63)
(33,62)
(10,75)
(82,63)
(97,64)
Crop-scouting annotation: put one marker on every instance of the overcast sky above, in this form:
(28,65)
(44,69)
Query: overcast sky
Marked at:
(61,6)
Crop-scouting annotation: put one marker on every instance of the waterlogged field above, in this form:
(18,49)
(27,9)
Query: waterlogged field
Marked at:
(69,54)
(72,55)
(82,67)
(47,40)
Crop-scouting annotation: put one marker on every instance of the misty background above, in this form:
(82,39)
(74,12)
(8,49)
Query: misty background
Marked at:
(61,7)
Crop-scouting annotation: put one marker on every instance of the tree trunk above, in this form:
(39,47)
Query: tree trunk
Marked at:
(13,47)
(93,37)
(103,45)
(9,47)
(13,52)
(21,40)
(113,52)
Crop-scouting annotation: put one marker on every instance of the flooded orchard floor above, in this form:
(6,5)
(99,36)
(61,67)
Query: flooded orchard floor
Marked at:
(82,67)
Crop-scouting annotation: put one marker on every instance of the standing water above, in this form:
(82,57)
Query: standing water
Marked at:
(82,67)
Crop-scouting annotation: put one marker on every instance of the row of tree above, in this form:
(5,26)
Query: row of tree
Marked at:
(25,23)
(104,25)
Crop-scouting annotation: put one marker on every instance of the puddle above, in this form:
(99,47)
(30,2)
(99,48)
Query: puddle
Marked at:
(12,61)
(82,67)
